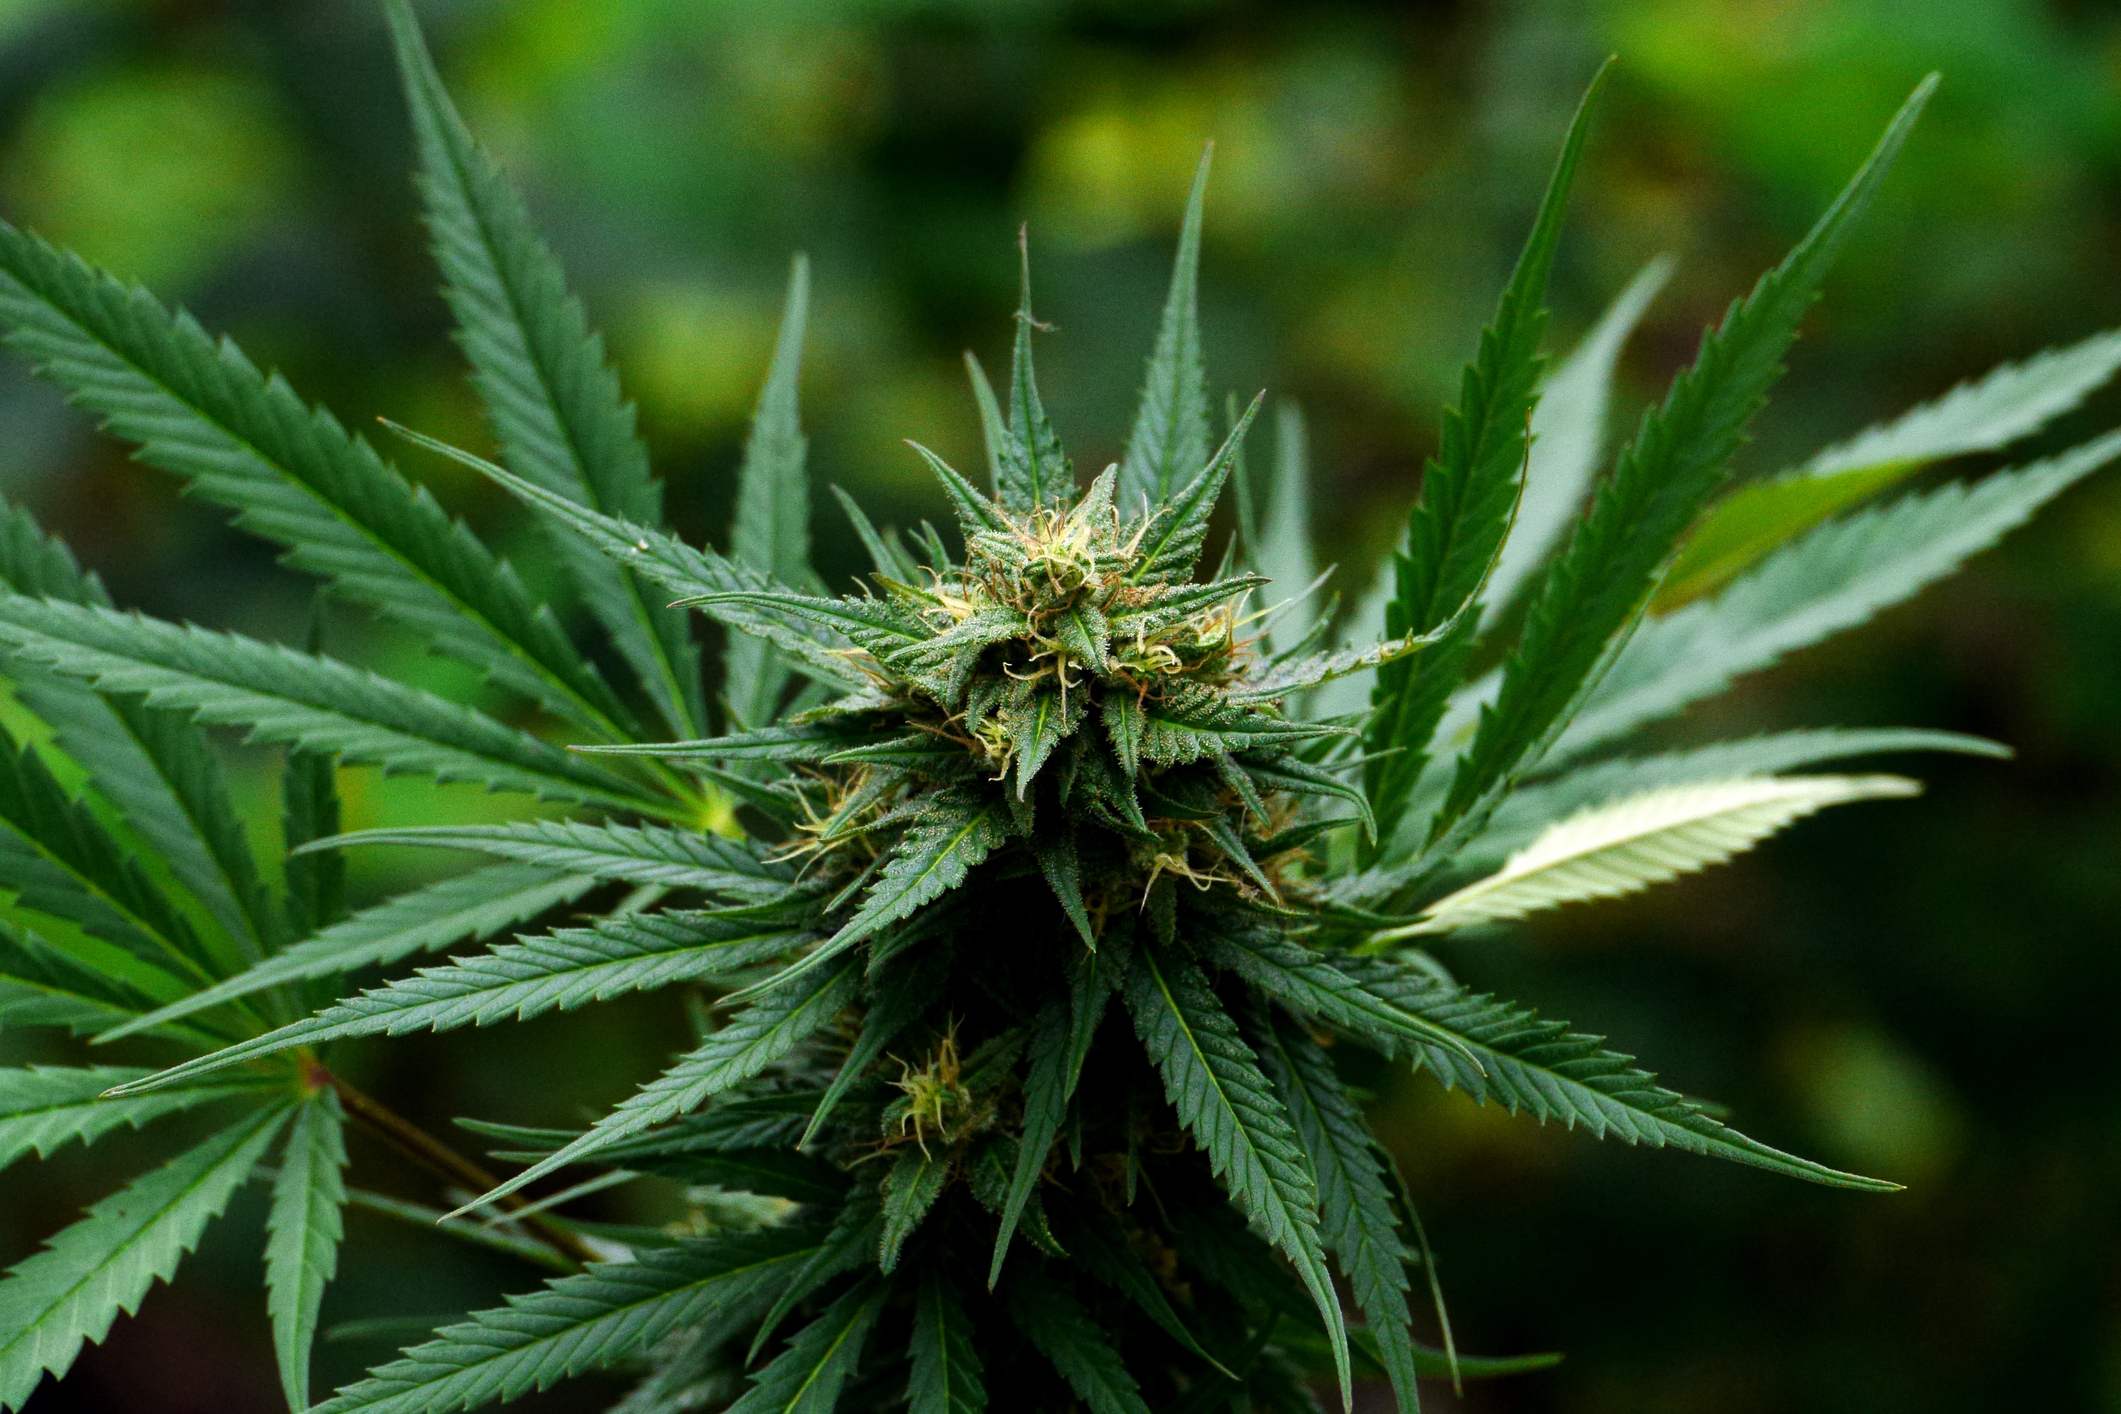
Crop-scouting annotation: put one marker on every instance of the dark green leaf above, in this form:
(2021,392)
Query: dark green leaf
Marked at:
(553,400)
(1215,1084)
(1062,1331)
(911,1187)
(807,1377)
(1169,442)
(772,529)
(1679,457)
(1468,495)
(946,1363)
(571,967)
(1355,1206)
(202,410)
(465,909)
(304,1227)
(1046,1087)
(755,1038)
(65,1296)
(613,1313)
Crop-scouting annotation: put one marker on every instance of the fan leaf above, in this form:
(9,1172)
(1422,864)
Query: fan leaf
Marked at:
(613,1313)
(567,969)
(1679,457)
(66,1296)
(1214,1082)
(552,397)
(469,908)
(304,1228)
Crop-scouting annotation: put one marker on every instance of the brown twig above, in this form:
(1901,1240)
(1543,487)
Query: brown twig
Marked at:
(438,1158)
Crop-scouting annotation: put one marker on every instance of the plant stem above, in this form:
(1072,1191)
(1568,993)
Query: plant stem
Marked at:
(438,1158)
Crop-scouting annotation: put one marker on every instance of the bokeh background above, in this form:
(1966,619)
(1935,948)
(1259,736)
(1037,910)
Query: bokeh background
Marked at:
(1921,990)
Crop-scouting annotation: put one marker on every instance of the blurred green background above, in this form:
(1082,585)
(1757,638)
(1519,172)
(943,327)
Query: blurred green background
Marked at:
(1920,990)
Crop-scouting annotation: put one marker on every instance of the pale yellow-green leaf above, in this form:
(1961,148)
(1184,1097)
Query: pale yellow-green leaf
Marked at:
(1629,844)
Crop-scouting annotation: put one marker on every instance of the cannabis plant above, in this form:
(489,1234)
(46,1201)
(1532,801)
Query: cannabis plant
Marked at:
(1030,892)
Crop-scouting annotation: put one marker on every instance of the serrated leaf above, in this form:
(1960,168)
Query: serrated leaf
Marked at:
(1096,1241)
(911,1187)
(755,1038)
(517,981)
(1061,1330)
(60,860)
(1568,438)
(1214,1083)
(1086,635)
(957,828)
(771,532)
(202,410)
(1750,522)
(1541,1067)
(695,573)
(301,700)
(1630,844)
(1355,1206)
(1832,579)
(1171,541)
(946,1364)
(1047,1082)
(1125,723)
(1169,603)
(552,397)
(469,908)
(637,854)
(889,559)
(157,768)
(807,1377)
(810,742)
(1315,983)
(1036,726)
(904,992)
(1469,494)
(1299,674)
(1294,776)
(975,513)
(2010,402)
(1169,440)
(1056,854)
(1193,723)
(1679,457)
(772,1171)
(870,624)
(611,1314)
(994,433)
(66,1295)
(44,1107)
(1530,808)
(1030,470)
(849,1244)
(303,1230)
(1985,414)
(42,984)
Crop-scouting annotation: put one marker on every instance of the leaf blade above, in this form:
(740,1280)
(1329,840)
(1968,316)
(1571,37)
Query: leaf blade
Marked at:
(303,1231)
(1677,460)
(946,1363)
(67,1294)
(1170,434)
(1214,1083)
(585,1321)
(1469,495)
(550,394)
